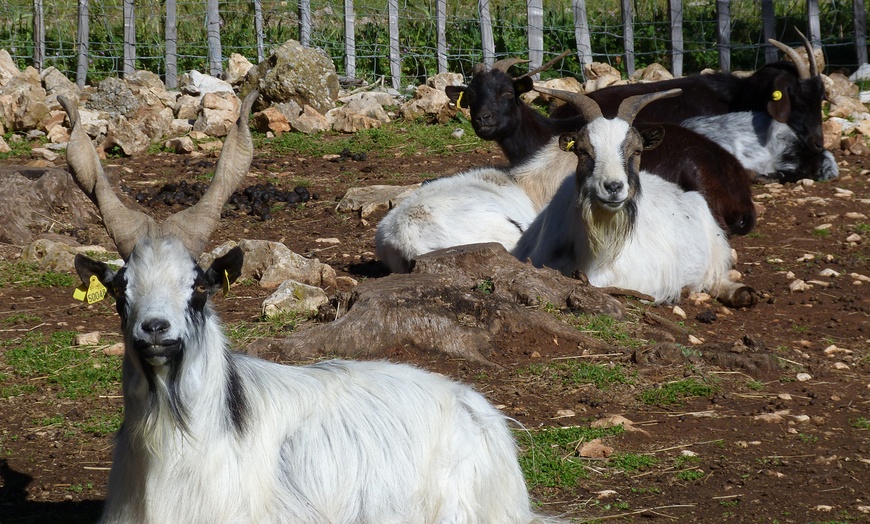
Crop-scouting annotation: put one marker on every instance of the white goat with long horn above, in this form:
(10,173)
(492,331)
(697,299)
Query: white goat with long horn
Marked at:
(625,227)
(212,436)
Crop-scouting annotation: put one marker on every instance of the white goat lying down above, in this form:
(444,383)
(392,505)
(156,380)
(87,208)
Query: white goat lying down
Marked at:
(212,436)
(627,228)
(480,205)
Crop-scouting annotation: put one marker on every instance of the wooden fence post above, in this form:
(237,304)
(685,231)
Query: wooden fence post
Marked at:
(213,32)
(305,22)
(723,34)
(129,37)
(441,30)
(768,21)
(170,30)
(349,39)
(581,34)
(813,23)
(536,35)
(258,28)
(675,9)
(486,39)
(395,59)
(628,35)
(82,35)
(860,31)
(38,35)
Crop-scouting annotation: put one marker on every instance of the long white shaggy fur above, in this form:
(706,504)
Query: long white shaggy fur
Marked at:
(250,441)
(669,243)
(480,205)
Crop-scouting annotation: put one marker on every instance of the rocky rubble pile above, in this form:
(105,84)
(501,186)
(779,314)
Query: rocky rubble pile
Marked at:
(299,91)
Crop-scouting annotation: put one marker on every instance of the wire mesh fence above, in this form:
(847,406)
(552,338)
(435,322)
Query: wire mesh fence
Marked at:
(417,35)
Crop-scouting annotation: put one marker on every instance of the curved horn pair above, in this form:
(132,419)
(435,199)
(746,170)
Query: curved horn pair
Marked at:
(193,225)
(804,72)
(628,108)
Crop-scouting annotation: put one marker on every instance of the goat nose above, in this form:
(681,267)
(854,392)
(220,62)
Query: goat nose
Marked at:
(155,326)
(613,187)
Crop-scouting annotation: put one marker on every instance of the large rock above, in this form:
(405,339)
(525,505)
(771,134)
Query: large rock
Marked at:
(461,302)
(237,67)
(115,97)
(293,72)
(8,69)
(56,255)
(198,84)
(272,263)
(56,83)
(294,297)
(219,112)
(368,199)
(310,121)
(22,101)
(427,101)
(33,200)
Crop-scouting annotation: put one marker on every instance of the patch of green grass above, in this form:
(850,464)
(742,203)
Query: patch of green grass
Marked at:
(17,148)
(21,274)
(102,423)
(755,385)
(22,318)
(549,456)
(604,328)
(690,475)
(821,233)
(54,420)
(52,360)
(860,423)
(797,328)
(631,462)
(862,228)
(242,333)
(573,372)
(674,392)
(395,138)
(485,286)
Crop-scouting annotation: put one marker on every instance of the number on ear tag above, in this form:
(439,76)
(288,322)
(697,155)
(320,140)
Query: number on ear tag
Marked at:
(93,292)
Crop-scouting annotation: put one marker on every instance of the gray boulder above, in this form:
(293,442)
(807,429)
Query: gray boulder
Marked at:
(292,72)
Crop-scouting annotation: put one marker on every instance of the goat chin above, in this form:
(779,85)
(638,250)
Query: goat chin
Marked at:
(671,244)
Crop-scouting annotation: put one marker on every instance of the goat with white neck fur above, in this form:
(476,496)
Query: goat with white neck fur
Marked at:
(624,227)
(213,436)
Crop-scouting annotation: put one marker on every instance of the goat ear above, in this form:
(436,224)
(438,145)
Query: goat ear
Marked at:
(652,137)
(523,84)
(455,94)
(226,269)
(567,141)
(779,105)
(88,267)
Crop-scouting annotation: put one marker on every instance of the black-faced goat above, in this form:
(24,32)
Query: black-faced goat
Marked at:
(775,114)
(624,227)
(214,436)
(685,157)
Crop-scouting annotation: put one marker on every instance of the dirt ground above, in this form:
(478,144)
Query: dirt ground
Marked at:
(769,443)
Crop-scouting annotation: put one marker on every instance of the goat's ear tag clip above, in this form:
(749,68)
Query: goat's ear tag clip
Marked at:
(570,146)
(225,285)
(777,95)
(94,291)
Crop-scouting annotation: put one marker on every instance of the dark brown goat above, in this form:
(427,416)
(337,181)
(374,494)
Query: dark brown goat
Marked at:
(684,157)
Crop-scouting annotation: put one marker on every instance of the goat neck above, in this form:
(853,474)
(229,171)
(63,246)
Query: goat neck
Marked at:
(192,226)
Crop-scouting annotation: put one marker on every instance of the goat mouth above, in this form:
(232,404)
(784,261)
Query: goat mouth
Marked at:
(158,354)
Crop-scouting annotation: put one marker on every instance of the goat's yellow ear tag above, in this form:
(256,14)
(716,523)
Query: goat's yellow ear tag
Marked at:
(93,292)
(459,99)
(777,95)
(225,285)
(570,146)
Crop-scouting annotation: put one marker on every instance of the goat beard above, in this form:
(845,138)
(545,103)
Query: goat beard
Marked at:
(606,230)
(167,415)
